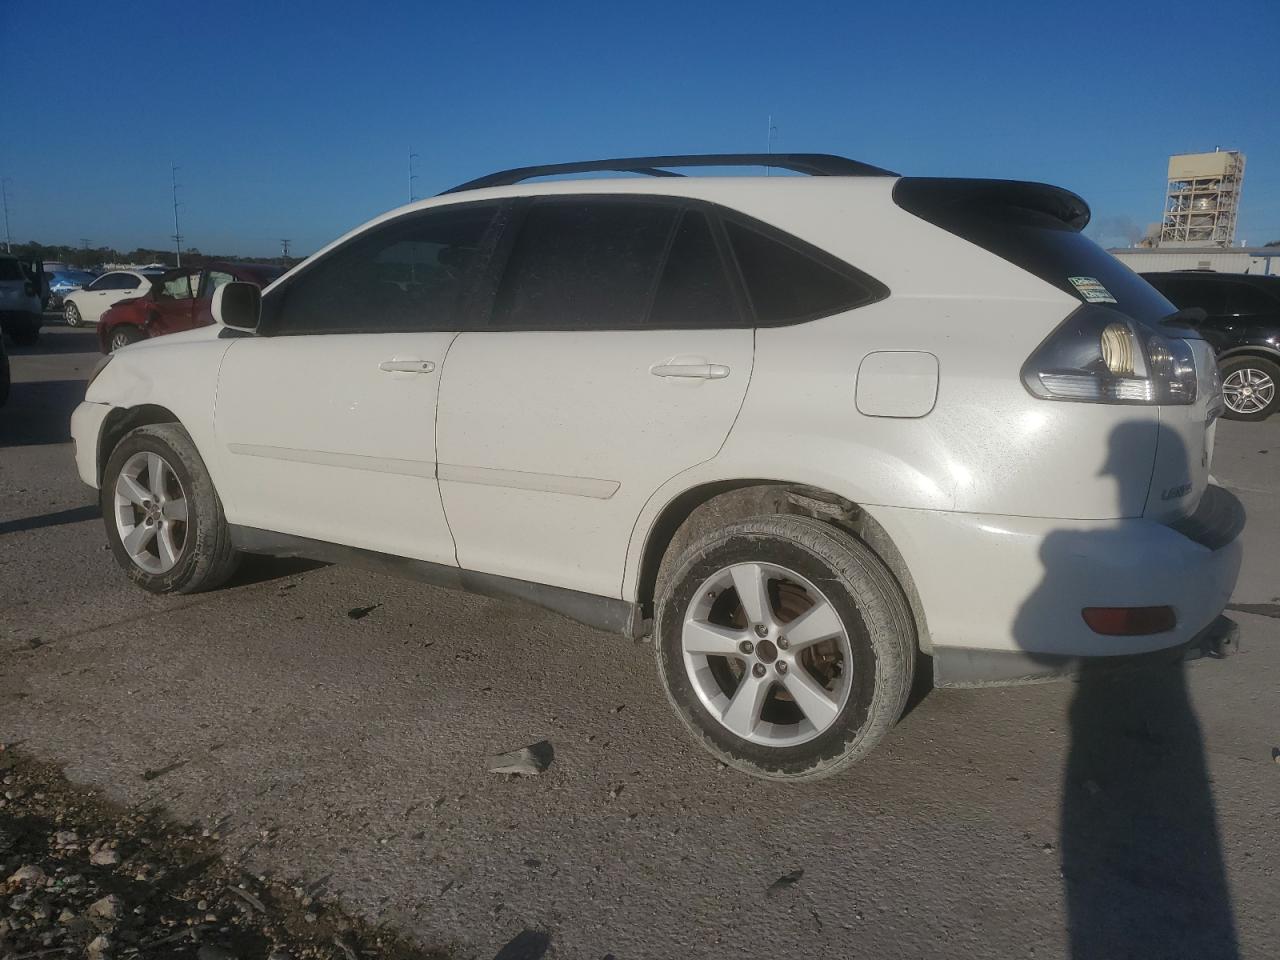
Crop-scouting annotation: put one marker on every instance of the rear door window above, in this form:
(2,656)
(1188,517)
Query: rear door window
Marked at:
(10,270)
(584,263)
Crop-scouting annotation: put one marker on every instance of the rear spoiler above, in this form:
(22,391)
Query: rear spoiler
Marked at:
(942,200)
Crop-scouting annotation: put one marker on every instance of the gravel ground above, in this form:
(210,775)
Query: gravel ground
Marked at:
(1129,816)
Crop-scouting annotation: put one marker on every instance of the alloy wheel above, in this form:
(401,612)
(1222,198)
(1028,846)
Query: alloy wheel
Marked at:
(1248,390)
(767,654)
(151,512)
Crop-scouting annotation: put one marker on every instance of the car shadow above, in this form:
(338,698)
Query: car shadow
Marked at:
(65,340)
(1141,855)
(54,519)
(39,412)
(256,568)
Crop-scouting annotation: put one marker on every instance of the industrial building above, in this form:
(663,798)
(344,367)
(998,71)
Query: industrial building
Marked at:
(1254,260)
(1198,227)
(1202,199)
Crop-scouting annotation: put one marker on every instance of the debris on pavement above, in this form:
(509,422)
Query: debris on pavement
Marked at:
(359,613)
(785,882)
(526,762)
(82,877)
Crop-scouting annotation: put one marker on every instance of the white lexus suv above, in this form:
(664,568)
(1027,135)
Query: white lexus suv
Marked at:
(811,433)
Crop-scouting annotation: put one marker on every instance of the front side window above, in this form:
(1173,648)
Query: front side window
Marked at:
(584,263)
(183,286)
(404,276)
(1246,300)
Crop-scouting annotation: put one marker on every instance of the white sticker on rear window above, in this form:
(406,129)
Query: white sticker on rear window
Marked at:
(1092,290)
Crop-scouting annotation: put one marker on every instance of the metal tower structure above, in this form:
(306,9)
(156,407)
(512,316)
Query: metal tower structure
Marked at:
(1202,199)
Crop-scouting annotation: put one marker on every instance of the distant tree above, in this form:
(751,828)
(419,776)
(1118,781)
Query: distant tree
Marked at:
(1273,243)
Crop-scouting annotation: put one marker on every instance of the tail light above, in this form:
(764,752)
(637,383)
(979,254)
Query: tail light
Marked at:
(1101,356)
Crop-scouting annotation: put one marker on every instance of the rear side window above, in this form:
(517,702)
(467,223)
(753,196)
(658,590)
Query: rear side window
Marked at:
(126,281)
(585,264)
(789,285)
(1192,291)
(11,270)
(404,276)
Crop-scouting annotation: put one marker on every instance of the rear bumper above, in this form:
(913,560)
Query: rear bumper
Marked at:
(86,428)
(953,667)
(1002,596)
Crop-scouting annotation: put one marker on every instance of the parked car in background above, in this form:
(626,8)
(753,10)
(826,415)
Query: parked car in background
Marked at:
(178,300)
(4,373)
(802,430)
(21,307)
(62,283)
(87,306)
(1242,323)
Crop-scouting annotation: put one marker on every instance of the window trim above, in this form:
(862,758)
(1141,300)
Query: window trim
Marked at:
(273,303)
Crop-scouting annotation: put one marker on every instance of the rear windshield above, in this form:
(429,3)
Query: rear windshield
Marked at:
(1036,227)
(11,270)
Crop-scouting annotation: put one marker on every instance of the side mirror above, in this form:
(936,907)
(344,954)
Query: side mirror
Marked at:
(238,305)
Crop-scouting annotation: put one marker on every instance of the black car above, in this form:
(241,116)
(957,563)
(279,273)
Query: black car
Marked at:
(1243,325)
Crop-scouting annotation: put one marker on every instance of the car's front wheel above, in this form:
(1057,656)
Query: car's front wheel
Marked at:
(164,520)
(1250,388)
(785,645)
(124,335)
(71,314)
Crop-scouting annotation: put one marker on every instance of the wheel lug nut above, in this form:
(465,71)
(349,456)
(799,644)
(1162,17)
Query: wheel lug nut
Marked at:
(761,630)
(758,670)
(747,647)
(782,666)
(783,643)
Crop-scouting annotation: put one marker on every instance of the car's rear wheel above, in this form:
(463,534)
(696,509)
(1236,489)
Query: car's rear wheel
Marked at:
(785,646)
(1250,388)
(124,335)
(71,314)
(164,520)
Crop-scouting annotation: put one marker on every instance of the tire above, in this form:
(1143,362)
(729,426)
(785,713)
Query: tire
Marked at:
(862,697)
(71,314)
(1250,387)
(200,556)
(122,336)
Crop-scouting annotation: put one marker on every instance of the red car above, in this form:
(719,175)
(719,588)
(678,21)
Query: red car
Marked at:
(181,299)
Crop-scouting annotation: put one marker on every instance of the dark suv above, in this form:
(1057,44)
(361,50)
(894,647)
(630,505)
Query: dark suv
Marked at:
(1243,325)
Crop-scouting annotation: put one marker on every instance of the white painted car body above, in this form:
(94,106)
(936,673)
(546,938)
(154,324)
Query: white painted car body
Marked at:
(549,457)
(102,294)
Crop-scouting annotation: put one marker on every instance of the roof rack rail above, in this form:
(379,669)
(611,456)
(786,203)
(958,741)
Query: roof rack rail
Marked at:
(814,164)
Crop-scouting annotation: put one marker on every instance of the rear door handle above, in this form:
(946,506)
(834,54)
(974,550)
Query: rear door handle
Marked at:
(407,366)
(691,371)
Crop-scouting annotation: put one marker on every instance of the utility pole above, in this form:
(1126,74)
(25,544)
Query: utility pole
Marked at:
(8,237)
(177,232)
(412,176)
(284,248)
(769,135)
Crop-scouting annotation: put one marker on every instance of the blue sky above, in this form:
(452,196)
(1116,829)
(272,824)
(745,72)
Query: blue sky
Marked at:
(294,120)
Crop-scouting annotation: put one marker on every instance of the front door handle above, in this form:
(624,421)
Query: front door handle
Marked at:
(691,371)
(407,366)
